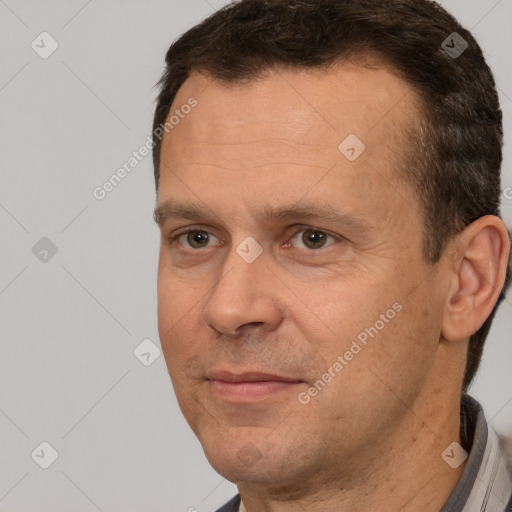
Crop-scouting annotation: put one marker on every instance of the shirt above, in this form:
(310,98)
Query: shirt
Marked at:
(486,482)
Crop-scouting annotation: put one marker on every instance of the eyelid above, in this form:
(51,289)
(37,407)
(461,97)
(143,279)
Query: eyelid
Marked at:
(187,229)
(297,228)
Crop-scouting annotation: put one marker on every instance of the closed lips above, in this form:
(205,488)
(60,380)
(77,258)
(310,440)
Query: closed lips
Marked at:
(249,377)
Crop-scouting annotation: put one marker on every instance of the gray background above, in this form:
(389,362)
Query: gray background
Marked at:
(69,325)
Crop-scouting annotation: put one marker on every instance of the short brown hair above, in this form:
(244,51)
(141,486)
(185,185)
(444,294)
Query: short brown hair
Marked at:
(454,154)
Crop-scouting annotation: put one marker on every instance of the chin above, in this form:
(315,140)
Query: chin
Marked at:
(249,461)
(278,478)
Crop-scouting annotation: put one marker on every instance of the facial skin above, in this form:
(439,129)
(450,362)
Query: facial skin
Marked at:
(389,413)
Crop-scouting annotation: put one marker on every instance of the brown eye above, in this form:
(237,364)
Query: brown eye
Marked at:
(312,238)
(193,238)
(197,239)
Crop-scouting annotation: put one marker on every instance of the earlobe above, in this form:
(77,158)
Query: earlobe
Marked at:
(477,260)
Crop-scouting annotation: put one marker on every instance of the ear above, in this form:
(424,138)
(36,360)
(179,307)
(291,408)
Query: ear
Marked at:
(478,260)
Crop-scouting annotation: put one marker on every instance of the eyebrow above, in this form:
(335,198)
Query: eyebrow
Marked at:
(267,214)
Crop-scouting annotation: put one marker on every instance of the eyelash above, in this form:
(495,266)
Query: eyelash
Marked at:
(174,239)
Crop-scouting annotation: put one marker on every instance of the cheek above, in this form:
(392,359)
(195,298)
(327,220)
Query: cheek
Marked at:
(181,330)
(175,311)
(378,378)
(403,354)
(345,314)
(382,336)
(175,299)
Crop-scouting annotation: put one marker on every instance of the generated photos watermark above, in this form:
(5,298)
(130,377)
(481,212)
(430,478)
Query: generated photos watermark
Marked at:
(356,347)
(100,192)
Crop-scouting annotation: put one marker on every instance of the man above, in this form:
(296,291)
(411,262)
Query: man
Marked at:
(332,253)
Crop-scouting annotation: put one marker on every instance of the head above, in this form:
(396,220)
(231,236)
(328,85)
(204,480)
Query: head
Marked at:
(359,109)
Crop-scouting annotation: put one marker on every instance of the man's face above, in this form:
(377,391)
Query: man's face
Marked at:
(255,309)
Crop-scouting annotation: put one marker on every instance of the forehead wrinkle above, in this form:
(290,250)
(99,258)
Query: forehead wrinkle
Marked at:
(257,154)
(282,140)
(282,164)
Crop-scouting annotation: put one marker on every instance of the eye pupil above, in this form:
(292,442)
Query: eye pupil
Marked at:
(197,237)
(317,238)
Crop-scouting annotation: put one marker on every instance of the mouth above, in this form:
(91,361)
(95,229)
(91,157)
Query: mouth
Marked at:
(250,386)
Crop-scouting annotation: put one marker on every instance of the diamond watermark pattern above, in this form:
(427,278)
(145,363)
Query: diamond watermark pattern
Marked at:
(249,250)
(44,455)
(454,455)
(454,45)
(147,352)
(352,147)
(249,455)
(44,45)
(44,250)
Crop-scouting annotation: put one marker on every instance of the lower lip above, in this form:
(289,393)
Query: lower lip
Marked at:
(240,392)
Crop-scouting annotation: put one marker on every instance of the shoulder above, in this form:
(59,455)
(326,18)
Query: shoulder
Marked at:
(506,448)
(231,506)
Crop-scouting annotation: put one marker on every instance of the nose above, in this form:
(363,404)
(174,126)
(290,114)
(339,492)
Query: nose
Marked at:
(245,295)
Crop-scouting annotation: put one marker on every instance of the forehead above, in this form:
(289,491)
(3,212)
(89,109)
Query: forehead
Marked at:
(286,128)
(316,106)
